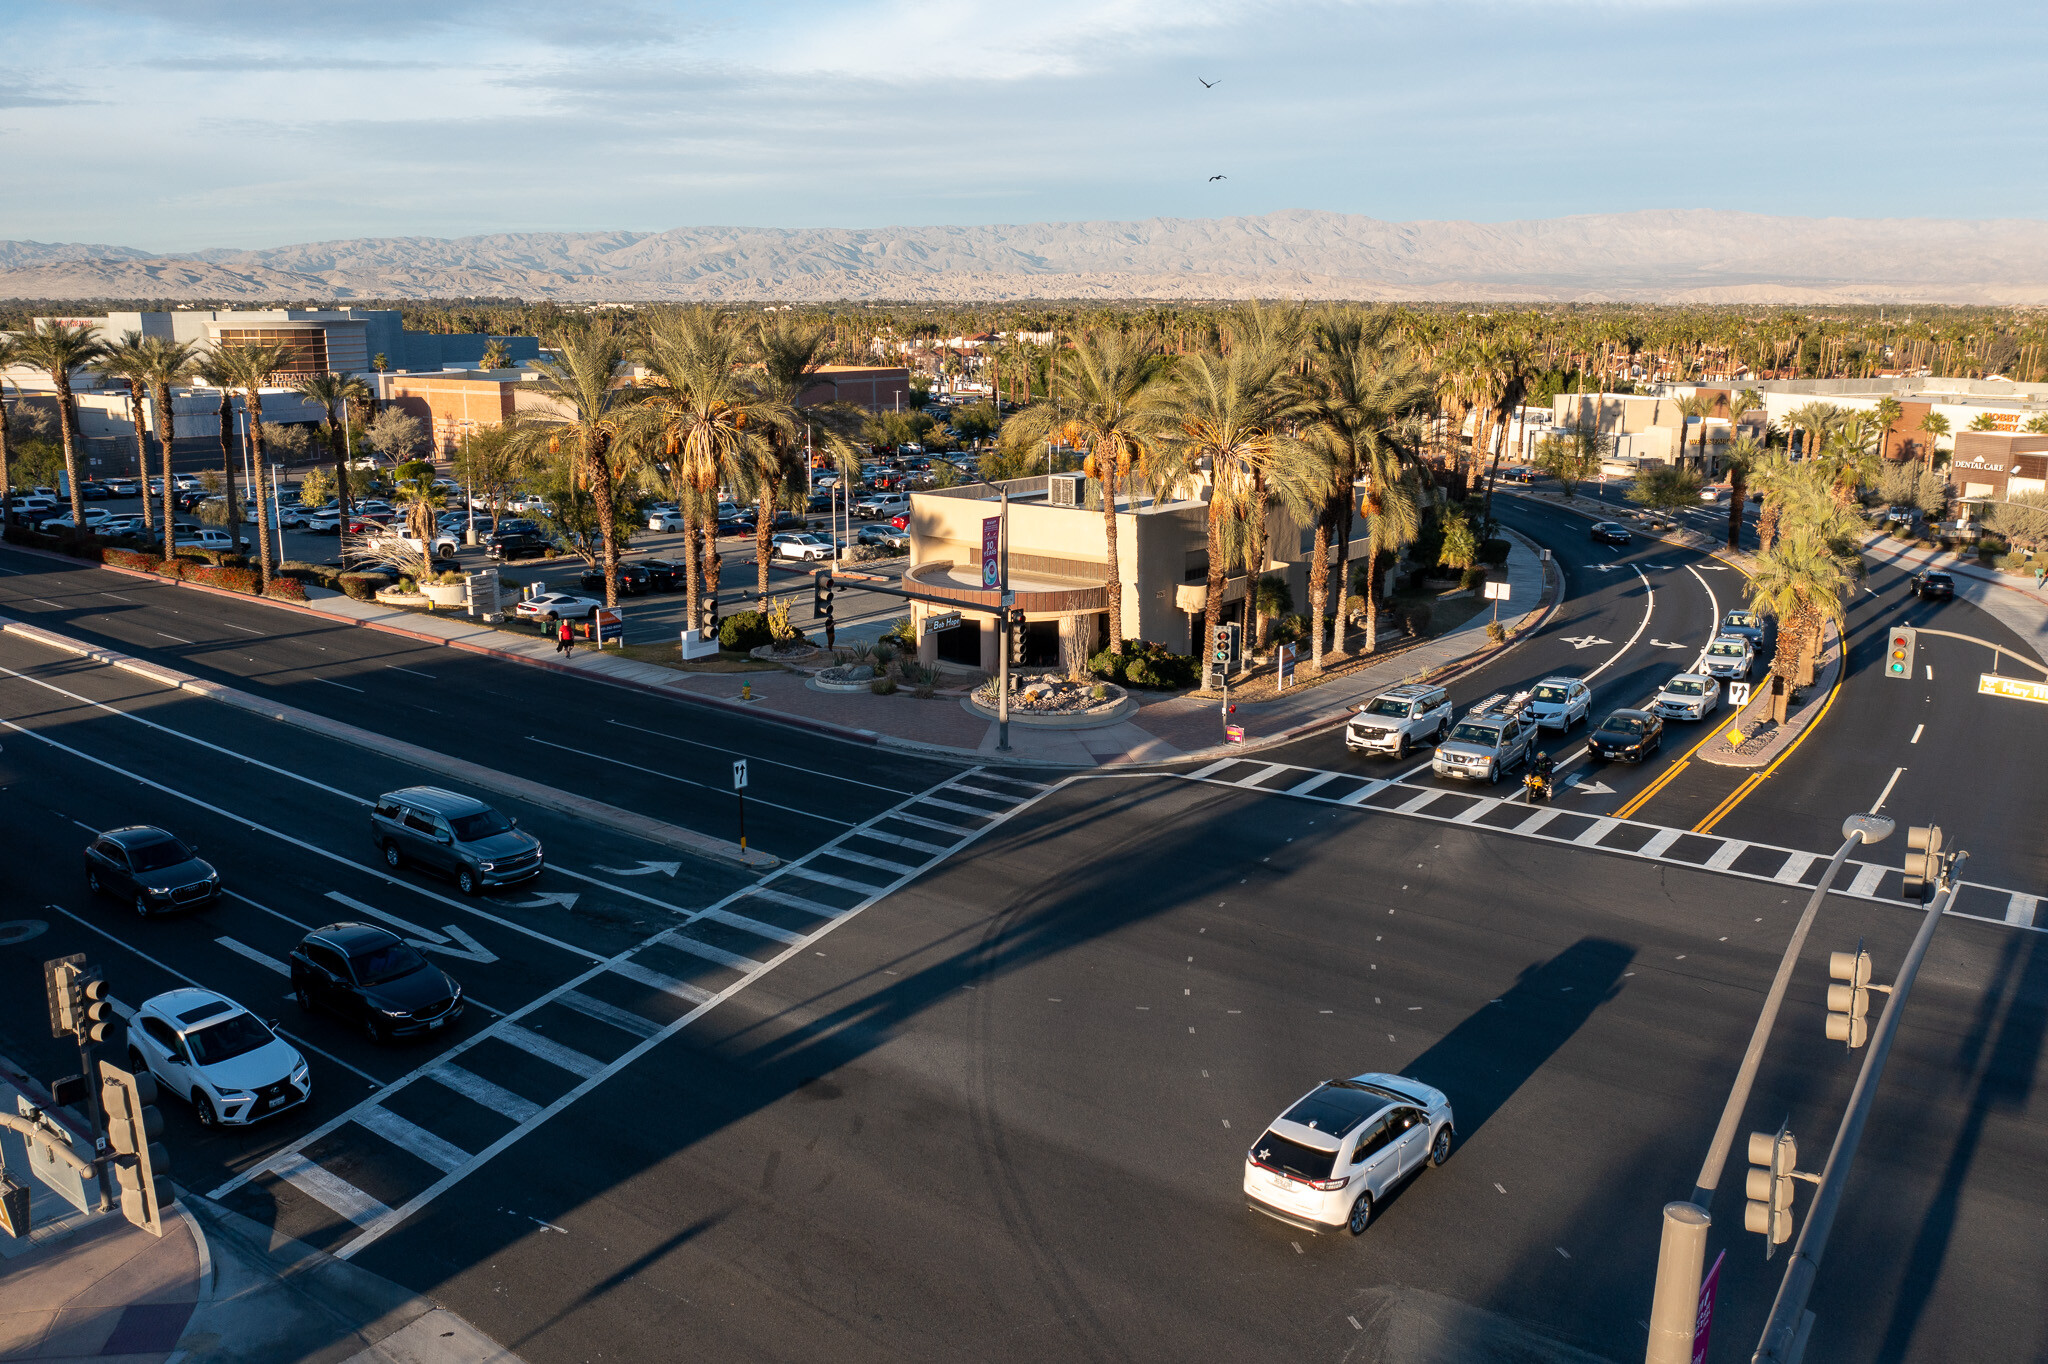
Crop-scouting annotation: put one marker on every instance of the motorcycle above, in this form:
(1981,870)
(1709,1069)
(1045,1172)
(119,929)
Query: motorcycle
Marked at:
(1537,784)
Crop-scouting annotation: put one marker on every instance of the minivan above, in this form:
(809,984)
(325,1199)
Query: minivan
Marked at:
(458,836)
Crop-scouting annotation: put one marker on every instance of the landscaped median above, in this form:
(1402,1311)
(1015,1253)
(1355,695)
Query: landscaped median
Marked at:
(209,569)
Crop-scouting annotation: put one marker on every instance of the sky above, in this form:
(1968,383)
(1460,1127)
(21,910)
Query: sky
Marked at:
(177,125)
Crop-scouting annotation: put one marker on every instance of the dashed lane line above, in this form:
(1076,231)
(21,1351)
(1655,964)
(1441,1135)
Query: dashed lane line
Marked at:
(684,781)
(755,760)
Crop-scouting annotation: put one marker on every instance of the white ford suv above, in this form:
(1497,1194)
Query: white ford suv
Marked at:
(1337,1153)
(1400,719)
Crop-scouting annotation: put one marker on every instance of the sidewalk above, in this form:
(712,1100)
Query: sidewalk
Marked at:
(1161,730)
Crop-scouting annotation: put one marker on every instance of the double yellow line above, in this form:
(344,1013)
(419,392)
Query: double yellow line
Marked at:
(1751,782)
(1669,774)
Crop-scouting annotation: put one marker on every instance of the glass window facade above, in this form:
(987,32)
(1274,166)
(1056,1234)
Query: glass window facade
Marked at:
(305,347)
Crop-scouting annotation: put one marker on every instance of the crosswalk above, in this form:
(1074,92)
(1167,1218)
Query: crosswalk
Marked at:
(360,1174)
(1629,837)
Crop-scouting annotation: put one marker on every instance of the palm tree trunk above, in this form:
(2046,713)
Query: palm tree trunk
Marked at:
(7,474)
(227,461)
(166,435)
(1112,572)
(141,454)
(690,594)
(65,420)
(257,472)
(1738,493)
(602,493)
(1212,610)
(337,445)
(764,532)
(1767,526)
(1341,629)
(1318,590)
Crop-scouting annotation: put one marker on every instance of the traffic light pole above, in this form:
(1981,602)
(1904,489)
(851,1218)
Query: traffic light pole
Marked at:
(1674,1311)
(1003,635)
(1783,1329)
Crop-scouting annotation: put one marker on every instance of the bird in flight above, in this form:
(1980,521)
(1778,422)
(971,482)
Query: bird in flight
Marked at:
(1214,178)
(1210,85)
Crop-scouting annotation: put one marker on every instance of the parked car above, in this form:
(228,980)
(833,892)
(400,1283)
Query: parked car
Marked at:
(123,486)
(1397,720)
(323,523)
(900,521)
(203,539)
(217,1056)
(1560,702)
(92,490)
(518,544)
(1626,736)
(375,980)
(1611,533)
(882,535)
(124,525)
(664,520)
(1687,696)
(1495,737)
(803,546)
(459,836)
(1339,1150)
(633,579)
(153,870)
(664,575)
(880,506)
(1932,586)
(1745,624)
(1729,656)
(736,525)
(95,517)
(553,606)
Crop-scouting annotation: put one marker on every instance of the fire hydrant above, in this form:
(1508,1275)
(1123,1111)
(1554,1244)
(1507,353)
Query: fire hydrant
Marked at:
(746,691)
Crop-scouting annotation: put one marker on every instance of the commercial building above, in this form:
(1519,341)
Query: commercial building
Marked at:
(1996,465)
(317,341)
(878,388)
(1058,560)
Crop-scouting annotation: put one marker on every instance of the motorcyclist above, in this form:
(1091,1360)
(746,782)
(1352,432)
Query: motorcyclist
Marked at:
(1539,772)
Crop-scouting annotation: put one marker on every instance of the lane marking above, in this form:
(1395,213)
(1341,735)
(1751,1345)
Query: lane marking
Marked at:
(783,897)
(764,762)
(1866,882)
(1795,867)
(670,776)
(915,845)
(1663,780)
(965,789)
(1724,856)
(313,848)
(1538,820)
(410,1136)
(1269,770)
(1476,811)
(618,890)
(1603,826)
(681,989)
(827,878)
(697,947)
(955,805)
(408,925)
(1659,841)
(937,825)
(1742,792)
(1364,792)
(1648,607)
(1917,731)
(1212,769)
(847,855)
(625,1020)
(549,1050)
(414,671)
(1930,672)
(1312,783)
(1886,794)
(475,1087)
(719,914)
(1416,802)
(329,1189)
(2020,909)
(262,959)
(243,628)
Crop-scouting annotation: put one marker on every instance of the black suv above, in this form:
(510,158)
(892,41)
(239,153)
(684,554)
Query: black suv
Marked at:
(633,579)
(664,575)
(458,836)
(151,869)
(1934,587)
(374,979)
(519,544)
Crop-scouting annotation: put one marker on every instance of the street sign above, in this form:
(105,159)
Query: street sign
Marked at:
(608,624)
(1497,592)
(739,775)
(1233,734)
(1703,1324)
(992,552)
(2019,689)
(1738,694)
(943,620)
(1288,653)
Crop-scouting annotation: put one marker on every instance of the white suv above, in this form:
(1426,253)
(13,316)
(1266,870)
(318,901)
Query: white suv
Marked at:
(212,1052)
(882,504)
(1730,657)
(1400,719)
(1560,702)
(1328,1161)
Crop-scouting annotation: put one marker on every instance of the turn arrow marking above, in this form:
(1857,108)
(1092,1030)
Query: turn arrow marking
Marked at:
(1660,644)
(566,899)
(645,869)
(471,949)
(1585,641)
(1589,788)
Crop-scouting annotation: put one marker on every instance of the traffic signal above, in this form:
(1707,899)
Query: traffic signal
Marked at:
(1923,861)
(141,1165)
(1773,1159)
(13,1206)
(821,594)
(1016,636)
(1219,645)
(60,982)
(96,1010)
(1849,1003)
(707,615)
(1898,651)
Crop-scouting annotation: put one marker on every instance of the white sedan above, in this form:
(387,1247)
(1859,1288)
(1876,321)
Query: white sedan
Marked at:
(558,606)
(216,1055)
(1688,696)
(802,545)
(1333,1157)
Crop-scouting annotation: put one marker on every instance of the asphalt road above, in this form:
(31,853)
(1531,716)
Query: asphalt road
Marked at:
(1003,1115)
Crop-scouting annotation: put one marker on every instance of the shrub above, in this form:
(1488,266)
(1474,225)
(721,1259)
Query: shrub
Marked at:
(1495,631)
(1472,579)
(139,560)
(173,569)
(407,585)
(881,651)
(1109,665)
(286,589)
(1417,616)
(361,586)
(2015,563)
(743,630)
(1494,551)
(1099,691)
(1140,674)
(883,686)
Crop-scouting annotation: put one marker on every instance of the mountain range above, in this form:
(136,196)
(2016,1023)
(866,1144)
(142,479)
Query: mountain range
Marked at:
(1667,256)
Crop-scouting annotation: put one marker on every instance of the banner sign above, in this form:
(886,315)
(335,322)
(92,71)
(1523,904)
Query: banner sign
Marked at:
(992,551)
(1703,1325)
(1990,684)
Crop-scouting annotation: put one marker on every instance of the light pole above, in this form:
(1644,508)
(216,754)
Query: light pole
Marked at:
(1674,1311)
(1005,600)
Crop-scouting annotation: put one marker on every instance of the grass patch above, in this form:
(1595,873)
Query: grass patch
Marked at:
(670,656)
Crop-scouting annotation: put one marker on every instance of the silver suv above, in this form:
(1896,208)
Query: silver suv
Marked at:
(458,836)
(1400,719)
(1495,736)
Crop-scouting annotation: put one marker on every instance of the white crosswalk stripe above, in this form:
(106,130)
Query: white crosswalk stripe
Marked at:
(964,788)
(318,1182)
(783,897)
(681,989)
(827,878)
(476,1087)
(623,1019)
(548,1050)
(410,1136)
(696,947)
(846,854)
(1866,880)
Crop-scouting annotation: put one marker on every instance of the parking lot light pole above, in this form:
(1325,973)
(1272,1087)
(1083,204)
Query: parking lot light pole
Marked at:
(1674,1310)
(1780,1341)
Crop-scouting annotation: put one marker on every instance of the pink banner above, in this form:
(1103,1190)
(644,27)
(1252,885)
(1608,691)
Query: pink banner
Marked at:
(992,552)
(1703,1325)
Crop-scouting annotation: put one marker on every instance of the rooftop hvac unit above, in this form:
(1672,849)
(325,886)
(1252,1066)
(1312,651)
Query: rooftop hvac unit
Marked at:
(1066,490)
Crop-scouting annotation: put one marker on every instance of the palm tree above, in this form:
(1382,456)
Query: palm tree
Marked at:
(126,359)
(587,411)
(166,364)
(792,352)
(1889,410)
(210,372)
(1231,413)
(10,356)
(249,368)
(1935,425)
(1361,388)
(1816,419)
(1745,453)
(707,421)
(1802,582)
(1695,408)
(334,392)
(1109,402)
(1393,504)
(60,348)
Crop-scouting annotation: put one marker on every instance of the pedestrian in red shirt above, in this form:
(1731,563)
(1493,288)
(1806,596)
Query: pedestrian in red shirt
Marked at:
(565,638)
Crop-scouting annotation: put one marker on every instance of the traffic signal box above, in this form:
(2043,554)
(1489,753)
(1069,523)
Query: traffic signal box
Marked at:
(821,594)
(1773,1159)
(141,1165)
(1923,862)
(1849,1002)
(1900,645)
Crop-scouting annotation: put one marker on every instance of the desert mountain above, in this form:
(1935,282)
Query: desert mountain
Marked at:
(1663,256)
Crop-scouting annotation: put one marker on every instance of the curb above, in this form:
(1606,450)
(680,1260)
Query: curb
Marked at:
(1825,685)
(825,727)
(504,783)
